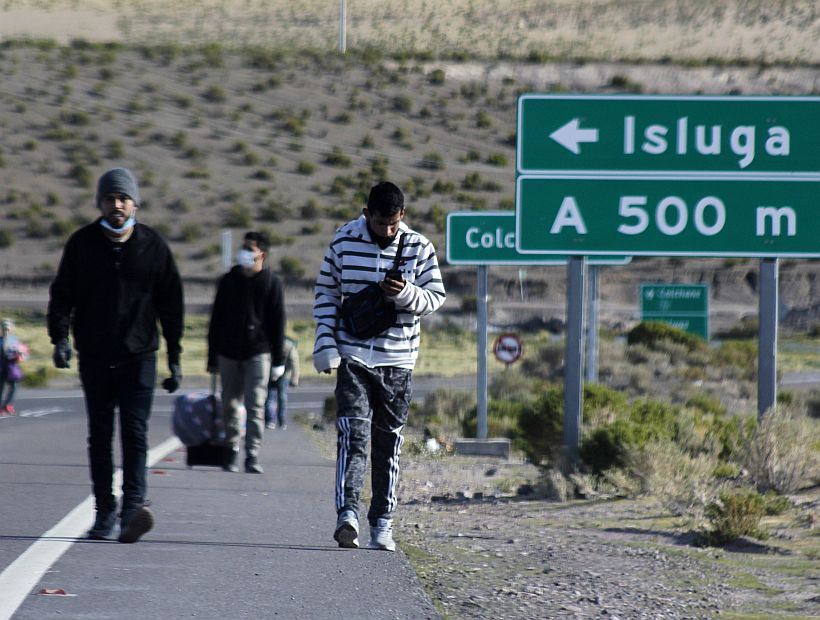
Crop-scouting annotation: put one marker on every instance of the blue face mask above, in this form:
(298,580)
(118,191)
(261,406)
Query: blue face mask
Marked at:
(246,258)
(128,224)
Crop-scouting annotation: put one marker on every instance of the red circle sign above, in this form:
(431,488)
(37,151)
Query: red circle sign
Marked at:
(508,348)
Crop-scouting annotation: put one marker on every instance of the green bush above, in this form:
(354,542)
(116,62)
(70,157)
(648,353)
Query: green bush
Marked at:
(6,238)
(436,76)
(650,333)
(305,167)
(730,434)
(502,419)
(607,447)
(432,161)
(734,514)
(238,216)
(36,378)
(291,267)
(337,158)
(707,403)
(540,426)
(274,211)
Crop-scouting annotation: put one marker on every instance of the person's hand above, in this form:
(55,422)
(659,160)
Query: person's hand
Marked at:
(276,372)
(294,383)
(392,285)
(62,354)
(171,384)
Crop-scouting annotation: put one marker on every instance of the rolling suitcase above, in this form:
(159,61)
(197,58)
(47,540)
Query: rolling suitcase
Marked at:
(198,422)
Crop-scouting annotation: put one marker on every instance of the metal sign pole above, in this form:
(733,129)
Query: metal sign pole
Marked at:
(767,337)
(592,326)
(481,344)
(342,26)
(226,250)
(573,381)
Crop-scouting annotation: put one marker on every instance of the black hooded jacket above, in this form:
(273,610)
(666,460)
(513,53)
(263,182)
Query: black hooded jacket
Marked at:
(113,294)
(248,317)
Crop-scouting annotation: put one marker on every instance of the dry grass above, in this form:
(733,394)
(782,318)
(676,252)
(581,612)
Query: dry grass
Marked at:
(784,454)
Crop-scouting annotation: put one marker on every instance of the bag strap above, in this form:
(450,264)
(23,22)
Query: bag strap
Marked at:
(397,260)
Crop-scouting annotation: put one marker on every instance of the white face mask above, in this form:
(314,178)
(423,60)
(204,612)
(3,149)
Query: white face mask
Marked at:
(246,258)
(127,224)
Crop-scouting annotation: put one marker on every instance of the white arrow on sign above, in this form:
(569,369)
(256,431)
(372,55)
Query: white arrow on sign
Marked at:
(570,136)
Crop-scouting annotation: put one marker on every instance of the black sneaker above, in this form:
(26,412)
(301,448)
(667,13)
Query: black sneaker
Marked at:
(103,526)
(134,523)
(252,466)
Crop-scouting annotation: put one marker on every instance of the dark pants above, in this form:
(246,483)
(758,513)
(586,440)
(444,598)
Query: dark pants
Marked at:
(129,388)
(371,402)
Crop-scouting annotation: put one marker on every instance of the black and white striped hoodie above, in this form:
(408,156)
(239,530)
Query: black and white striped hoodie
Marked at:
(352,262)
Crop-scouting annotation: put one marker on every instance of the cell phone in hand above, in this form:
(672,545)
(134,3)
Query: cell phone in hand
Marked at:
(393,274)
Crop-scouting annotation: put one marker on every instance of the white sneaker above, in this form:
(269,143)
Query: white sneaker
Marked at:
(381,535)
(347,530)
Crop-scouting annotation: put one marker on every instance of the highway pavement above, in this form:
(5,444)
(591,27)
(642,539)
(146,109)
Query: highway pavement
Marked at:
(224,545)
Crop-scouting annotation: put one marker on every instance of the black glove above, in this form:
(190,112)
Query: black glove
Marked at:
(171,384)
(62,354)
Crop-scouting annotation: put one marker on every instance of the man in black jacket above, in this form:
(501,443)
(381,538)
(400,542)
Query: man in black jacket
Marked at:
(245,344)
(116,279)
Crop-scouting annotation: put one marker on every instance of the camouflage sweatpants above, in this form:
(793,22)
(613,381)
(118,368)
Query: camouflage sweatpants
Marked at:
(370,402)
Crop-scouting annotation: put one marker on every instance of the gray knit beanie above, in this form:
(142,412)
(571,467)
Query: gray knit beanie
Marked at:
(118,181)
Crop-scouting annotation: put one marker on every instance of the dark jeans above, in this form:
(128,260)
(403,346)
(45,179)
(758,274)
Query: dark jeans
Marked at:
(128,387)
(371,402)
(276,406)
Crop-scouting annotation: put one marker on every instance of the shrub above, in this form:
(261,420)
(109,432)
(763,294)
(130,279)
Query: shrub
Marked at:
(432,161)
(650,333)
(782,454)
(337,158)
(238,216)
(607,447)
(190,232)
(497,159)
(274,211)
(502,419)
(483,120)
(546,363)
(36,378)
(541,426)
(305,167)
(6,238)
(729,435)
(734,514)
(215,94)
(291,267)
(310,210)
(445,409)
(403,103)
(436,76)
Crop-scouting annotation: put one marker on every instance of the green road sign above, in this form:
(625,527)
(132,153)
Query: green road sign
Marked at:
(685,306)
(668,135)
(667,217)
(488,238)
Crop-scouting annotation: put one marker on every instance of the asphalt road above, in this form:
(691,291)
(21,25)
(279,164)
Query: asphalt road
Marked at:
(224,545)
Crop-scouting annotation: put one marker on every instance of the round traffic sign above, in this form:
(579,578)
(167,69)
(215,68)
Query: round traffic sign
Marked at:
(508,348)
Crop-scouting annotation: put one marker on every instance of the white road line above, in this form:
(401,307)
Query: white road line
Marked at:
(26,571)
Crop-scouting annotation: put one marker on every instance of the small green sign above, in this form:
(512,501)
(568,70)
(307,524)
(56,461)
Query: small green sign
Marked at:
(685,306)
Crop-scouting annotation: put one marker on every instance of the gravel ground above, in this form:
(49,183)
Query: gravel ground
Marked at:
(482,551)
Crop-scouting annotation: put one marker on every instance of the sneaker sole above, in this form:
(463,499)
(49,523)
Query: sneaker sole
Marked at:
(141,523)
(377,546)
(347,536)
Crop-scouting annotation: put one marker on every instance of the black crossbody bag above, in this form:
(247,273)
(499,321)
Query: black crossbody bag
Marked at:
(368,312)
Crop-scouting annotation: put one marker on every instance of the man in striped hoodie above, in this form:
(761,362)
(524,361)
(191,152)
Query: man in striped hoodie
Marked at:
(373,384)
